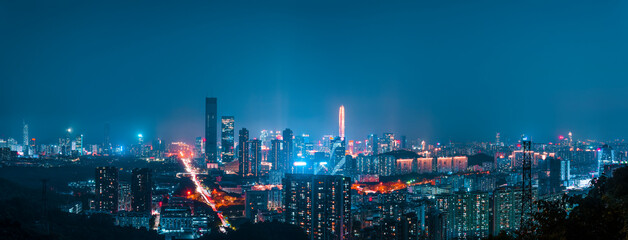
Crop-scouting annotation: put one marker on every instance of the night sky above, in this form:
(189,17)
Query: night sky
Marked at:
(439,70)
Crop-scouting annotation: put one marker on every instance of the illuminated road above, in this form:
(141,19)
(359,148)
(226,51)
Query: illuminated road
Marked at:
(203,192)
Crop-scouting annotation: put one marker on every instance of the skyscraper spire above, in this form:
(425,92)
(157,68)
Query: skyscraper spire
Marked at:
(341,121)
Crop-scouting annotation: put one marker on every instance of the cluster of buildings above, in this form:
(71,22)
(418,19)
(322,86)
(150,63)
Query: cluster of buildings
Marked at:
(386,187)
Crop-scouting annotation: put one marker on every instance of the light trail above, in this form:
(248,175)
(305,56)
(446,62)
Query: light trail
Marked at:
(206,196)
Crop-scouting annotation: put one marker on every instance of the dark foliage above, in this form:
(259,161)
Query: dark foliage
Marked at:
(22,217)
(601,214)
(261,231)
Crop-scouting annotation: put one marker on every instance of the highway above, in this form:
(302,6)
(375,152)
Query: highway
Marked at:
(203,192)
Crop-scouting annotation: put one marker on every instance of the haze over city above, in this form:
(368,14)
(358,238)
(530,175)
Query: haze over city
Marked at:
(444,71)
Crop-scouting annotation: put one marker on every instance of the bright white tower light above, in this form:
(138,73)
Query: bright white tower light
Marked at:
(341,121)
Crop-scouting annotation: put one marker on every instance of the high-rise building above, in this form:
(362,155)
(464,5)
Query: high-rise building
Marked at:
(467,214)
(288,150)
(506,209)
(255,157)
(243,153)
(211,132)
(255,203)
(107,189)
(372,144)
(106,146)
(605,156)
(341,122)
(338,152)
(79,144)
(199,147)
(141,190)
(227,138)
(25,142)
(319,204)
(387,143)
(276,155)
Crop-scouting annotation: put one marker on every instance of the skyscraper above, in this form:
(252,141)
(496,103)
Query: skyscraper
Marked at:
(288,150)
(227,138)
(107,189)
(320,204)
(211,132)
(25,140)
(106,146)
(467,214)
(341,122)
(255,159)
(243,152)
(276,154)
(506,209)
(141,190)
(372,144)
(79,144)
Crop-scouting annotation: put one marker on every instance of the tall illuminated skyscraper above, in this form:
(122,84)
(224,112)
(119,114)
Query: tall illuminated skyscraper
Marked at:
(255,159)
(341,122)
(227,138)
(107,148)
(276,156)
(211,132)
(372,144)
(243,152)
(25,142)
(288,149)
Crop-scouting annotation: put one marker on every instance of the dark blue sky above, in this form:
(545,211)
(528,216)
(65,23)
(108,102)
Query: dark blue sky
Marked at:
(441,70)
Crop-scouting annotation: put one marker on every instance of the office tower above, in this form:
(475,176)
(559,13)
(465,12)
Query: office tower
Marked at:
(338,152)
(227,138)
(255,203)
(255,157)
(276,155)
(107,148)
(288,150)
(341,122)
(67,142)
(141,190)
(25,139)
(107,189)
(320,204)
(387,143)
(199,147)
(243,152)
(372,144)
(79,144)
(497,140)
(554,180)
(467,214)
(211,133)
(158,148)
(506,209)
(605,156)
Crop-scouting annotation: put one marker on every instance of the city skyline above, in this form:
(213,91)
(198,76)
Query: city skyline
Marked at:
(131,137)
